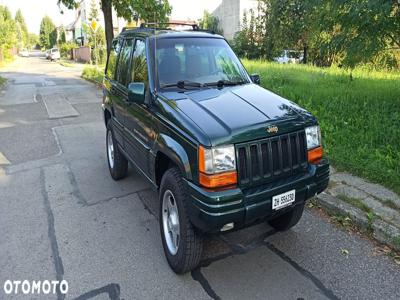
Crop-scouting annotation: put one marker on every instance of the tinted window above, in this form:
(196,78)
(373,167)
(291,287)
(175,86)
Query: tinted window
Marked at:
(139,63)
(203,60)
(112,59)
(124,62)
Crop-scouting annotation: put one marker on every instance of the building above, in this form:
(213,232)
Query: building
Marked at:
(230,15)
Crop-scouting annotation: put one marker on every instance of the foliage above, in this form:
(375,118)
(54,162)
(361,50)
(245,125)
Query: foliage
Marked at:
(22,28)
(330,32)
(8,33)
(211,23)
(62,38)
(97,41)
(33,40)
(366,27)
(145,10)
(93,73)
(2,81)
(93,13)
(359,118)
(48,33)
(65,49)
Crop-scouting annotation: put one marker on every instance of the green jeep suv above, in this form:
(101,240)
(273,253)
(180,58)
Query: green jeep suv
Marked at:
(222,152)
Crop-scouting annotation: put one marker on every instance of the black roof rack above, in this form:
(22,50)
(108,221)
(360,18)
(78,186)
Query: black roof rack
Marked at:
(156,26)
(151,25)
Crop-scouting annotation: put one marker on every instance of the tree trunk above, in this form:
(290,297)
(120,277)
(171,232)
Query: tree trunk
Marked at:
(305,54)
(106,7)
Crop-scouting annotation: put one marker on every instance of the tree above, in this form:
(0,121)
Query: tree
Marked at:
(48,33)
(19,19)
(96,36)
(210,22)
(146,10)
(93,14)
(364,28)
(33,40)
(8,30)
(63,37)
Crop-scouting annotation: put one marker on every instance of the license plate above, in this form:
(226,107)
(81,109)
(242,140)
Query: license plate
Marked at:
(283,200)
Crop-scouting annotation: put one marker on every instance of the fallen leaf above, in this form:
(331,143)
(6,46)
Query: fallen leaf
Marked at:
(344,252)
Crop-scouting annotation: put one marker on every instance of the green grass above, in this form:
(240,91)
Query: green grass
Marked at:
(65,63)
(93,74)
(359,116)
(2,81)
(396,241)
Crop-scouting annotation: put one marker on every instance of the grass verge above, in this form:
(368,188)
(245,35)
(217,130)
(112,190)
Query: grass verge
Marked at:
(355,202)
(93,73)
(2,81)
(65,63)
(359,114)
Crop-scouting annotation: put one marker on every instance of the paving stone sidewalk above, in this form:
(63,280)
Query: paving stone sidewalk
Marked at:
(373,208)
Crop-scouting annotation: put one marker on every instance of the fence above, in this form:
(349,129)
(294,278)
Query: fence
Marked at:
(81,54)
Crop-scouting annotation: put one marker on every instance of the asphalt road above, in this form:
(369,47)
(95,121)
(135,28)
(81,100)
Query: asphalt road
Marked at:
(62,217)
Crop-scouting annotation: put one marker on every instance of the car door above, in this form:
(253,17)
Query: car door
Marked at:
(139,123)
(119,87)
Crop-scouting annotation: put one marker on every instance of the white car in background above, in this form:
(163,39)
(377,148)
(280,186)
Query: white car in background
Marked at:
(24,52)
(290,57)
(54,54)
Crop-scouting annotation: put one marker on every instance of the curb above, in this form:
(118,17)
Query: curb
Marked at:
(382,231)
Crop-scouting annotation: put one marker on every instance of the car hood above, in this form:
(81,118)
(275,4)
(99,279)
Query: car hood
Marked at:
(241,113)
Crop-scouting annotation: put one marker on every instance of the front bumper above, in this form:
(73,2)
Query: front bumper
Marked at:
(210,211)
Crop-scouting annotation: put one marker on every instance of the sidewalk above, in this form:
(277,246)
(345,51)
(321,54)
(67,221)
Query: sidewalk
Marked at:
(371,207)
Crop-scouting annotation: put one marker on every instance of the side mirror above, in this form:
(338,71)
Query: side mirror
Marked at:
(136,92)
(255,78)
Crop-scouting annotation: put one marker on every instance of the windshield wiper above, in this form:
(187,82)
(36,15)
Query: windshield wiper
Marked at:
(183,84)
(221,83)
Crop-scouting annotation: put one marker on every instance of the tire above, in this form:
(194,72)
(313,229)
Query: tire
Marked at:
(289,219)
(117,163)
(184,255)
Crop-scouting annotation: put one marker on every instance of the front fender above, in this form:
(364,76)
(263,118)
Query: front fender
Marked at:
(175,152)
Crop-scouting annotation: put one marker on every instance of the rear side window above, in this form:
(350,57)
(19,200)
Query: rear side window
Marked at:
(112,58)
(124,62)
(139,63)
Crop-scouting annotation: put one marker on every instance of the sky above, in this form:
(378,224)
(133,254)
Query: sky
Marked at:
(34,10)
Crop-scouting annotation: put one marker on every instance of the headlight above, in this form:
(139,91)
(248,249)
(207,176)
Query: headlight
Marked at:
(218,159)
(313,135)
(217,166)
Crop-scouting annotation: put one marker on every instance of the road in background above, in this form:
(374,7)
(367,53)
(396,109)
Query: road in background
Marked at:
(63,217)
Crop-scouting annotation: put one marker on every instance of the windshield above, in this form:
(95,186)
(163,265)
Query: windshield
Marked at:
(197,60)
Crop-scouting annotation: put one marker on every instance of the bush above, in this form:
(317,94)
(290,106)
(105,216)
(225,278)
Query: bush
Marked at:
(93,73)
(100,53)
(66,49)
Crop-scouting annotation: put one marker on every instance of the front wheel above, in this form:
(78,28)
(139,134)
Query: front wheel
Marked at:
(181,242)
(289,219)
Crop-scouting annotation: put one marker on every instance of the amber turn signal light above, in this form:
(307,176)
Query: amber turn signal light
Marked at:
(218,180)
(315,155)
